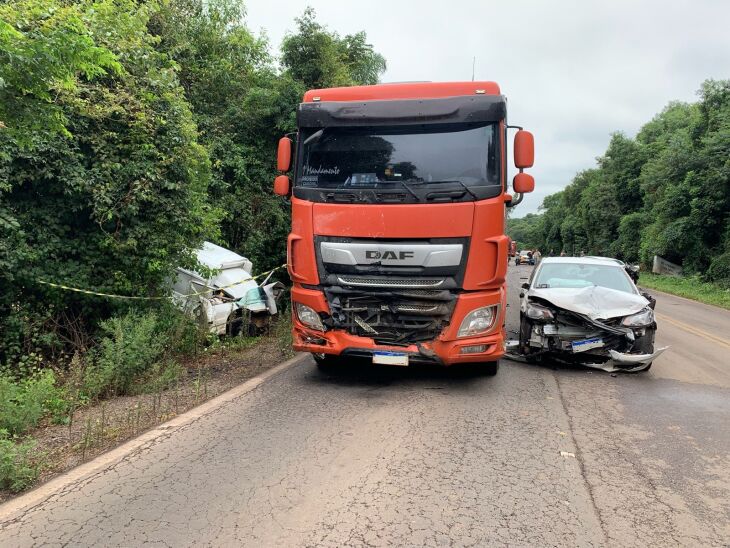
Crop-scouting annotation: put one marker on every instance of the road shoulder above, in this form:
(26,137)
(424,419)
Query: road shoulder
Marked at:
(13,509)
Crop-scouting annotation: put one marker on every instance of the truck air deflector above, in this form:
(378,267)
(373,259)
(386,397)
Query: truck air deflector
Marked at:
(449,110)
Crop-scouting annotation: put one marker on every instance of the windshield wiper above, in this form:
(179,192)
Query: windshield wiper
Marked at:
(409,189)
(465,188)
(462,186)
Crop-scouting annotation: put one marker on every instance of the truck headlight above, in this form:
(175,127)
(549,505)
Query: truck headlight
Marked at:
(537,312)
(478,321)
(640,319)
(308,316)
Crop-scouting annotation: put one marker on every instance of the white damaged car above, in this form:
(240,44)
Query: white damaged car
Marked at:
(586,310)
(230,301)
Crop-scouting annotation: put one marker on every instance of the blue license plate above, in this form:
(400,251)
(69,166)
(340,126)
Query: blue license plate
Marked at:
(587,344)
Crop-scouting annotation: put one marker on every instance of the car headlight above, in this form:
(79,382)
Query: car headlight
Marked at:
(478,321)
(308,316)
(537,312)
(640,319)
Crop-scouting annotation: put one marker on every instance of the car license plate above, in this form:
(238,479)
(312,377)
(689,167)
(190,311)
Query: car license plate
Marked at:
(390,358)
(587,344)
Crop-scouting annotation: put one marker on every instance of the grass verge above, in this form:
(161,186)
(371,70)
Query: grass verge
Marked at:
(47,427)
(689,287)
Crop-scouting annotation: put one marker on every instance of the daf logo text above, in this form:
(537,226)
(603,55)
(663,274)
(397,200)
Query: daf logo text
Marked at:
(392,255)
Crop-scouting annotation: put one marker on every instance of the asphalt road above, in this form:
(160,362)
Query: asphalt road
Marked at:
(535,456)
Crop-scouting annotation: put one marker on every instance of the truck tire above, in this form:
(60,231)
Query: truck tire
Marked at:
(327,363)
(490,368)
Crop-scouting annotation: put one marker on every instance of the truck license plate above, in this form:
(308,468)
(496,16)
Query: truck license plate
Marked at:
(587,344)
(390,358)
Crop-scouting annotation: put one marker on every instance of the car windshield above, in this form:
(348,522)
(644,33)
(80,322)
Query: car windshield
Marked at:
(579,275)
(382,157)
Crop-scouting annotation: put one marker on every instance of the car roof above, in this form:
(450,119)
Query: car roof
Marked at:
(606,261)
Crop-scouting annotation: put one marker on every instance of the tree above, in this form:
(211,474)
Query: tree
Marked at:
(113,196)
(319,58)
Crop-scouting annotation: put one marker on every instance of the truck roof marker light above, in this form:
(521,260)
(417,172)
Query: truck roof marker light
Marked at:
(316,98)
(480,91)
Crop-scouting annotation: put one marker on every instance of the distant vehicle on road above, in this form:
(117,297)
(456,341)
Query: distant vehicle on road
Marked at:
(587,310)
(524,257)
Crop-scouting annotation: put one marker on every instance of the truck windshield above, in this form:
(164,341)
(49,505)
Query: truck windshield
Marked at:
(381,157)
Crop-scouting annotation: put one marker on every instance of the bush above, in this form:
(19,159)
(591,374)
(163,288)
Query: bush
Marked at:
(19,463)
(719,271)
(130,347)
(162,376)
(182,333)
(23,403)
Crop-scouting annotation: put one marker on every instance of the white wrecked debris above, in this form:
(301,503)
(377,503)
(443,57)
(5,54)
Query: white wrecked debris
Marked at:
(229,301)
(639,361)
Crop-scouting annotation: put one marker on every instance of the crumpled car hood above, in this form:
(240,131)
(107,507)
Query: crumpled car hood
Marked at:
(596,302)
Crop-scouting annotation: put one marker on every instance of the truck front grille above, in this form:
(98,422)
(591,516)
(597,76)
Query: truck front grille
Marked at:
(361,281)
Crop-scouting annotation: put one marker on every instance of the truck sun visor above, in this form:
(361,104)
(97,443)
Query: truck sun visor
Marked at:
(449,110)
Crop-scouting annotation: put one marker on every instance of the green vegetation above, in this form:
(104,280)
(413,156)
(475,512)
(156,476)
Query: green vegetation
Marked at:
(690,287)
(25,401)
(129,133)
(19,463)
(665,192)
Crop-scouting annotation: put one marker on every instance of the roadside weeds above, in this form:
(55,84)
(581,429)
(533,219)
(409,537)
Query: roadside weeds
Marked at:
(98,428)
(690,288)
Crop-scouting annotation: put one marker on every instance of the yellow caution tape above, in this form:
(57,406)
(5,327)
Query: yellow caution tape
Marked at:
(129,297)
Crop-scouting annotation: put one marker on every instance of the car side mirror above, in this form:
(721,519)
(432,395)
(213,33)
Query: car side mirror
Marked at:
(652,300)
(525,286)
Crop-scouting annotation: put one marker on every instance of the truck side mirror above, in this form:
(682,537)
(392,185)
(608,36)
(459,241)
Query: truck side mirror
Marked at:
(283,157)
(524,149)
(282,186)
(523,182)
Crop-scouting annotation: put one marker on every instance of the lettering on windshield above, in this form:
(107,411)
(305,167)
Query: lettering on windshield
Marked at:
(319,170)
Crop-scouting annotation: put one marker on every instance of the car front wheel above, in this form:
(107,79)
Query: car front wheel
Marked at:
(327,363)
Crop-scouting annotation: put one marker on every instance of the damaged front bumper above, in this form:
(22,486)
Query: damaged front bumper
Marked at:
(578,339)
(441,346)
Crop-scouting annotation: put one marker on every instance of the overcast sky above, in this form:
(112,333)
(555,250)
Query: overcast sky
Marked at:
(573,71)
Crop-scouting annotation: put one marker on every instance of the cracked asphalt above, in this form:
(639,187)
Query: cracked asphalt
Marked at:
(535,456)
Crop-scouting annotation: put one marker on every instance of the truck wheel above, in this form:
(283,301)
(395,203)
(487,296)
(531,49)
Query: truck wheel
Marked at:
(327,363)
(490,368)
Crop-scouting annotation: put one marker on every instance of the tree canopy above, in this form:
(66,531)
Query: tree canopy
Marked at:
(666,192)
(129,133)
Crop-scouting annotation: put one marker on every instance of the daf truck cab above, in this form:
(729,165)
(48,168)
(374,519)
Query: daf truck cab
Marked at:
(397,250)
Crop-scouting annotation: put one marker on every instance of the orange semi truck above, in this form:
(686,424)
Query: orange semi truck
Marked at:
(397,251)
